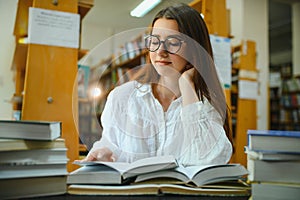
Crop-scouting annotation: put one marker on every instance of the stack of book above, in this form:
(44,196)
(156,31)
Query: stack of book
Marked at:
(156,175)
(274,164)
(32,159)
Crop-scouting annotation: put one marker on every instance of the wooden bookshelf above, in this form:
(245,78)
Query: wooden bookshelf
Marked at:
(289,105)
(244,115)
(284,90)
(44,78)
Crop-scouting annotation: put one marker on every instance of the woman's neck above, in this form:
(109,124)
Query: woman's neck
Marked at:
(166,91)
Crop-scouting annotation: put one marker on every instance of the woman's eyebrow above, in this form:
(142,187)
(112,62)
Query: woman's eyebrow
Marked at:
(168,36)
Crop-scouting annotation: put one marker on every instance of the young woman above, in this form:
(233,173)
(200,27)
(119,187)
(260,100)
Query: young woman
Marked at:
(178,108)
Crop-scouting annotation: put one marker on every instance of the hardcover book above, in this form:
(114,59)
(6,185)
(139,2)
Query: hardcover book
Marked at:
(25,170)
(274,171)
(272,156)
(19,188)
(33,156)
(20,144)
(159,189)
(32,130)
(154,168)
(272,190)
(198,175)
(273,140)
(99,172)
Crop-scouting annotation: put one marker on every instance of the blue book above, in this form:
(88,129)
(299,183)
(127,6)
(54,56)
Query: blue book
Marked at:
(274,141)
(274,133)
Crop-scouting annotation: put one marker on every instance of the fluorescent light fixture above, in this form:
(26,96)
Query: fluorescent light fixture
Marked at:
(144,7)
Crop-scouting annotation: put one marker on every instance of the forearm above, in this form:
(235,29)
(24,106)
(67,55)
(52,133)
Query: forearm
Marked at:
(187,89)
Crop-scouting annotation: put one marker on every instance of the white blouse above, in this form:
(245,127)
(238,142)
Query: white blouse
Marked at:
(135,126)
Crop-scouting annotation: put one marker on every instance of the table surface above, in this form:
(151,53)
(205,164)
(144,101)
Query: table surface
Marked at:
(144,197)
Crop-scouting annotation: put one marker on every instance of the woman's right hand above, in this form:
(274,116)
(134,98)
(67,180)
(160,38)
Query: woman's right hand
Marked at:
(102,154)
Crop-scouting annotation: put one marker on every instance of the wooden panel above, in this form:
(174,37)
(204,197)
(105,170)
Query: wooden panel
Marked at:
(198,5)
(21,23)
(220,23)
(228,96)
(215,15)
(51,73)
(64,6)
(246,120)
(248,57)
(84,6)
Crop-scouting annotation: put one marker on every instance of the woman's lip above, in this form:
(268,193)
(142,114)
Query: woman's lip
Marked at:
(163,62)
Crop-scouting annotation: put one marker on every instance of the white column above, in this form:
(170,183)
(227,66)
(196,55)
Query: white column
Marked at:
(296,38)
(249,21)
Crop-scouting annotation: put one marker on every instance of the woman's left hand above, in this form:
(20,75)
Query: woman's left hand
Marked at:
(187,87)
(186,79)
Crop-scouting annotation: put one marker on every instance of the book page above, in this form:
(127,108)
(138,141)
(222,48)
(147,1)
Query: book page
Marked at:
(191,171)
(152,164)
(140,166)
(118,166)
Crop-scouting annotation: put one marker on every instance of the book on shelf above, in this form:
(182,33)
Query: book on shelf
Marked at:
(271,190)
(274,171)
(274,140)
(20,144)
(99,172)
(18,188)
(83,75)
(159,189)
(291,85)
(33,130)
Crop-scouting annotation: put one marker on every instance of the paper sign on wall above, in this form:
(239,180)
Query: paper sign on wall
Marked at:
(54,28)
(248,89)
(222,58)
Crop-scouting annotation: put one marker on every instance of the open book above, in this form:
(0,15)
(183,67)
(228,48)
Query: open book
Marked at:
(198,175)
(153,168)
(98,172)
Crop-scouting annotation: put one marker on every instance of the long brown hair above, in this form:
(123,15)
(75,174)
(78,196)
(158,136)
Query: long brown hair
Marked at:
(199,56)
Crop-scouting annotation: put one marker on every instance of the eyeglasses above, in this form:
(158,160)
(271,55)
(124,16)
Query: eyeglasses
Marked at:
(171,44)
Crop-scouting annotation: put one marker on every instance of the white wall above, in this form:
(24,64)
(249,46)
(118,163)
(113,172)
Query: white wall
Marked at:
(256,28)
(91,36)
(249,21)
(7,47)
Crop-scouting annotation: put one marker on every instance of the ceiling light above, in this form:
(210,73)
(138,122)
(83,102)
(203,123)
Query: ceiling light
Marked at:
(144,7)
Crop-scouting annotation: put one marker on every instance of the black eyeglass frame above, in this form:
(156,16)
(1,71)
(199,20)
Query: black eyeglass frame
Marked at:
(163,41)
